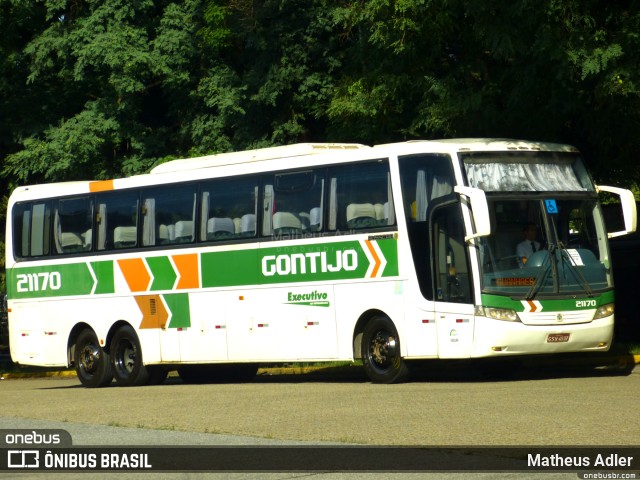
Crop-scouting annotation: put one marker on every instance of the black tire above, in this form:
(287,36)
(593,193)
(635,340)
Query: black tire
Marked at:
(222,373)
(126,357)
(381,352)
(92,363)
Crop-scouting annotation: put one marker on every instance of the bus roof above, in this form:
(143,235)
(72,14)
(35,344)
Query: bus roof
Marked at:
(261,154)
(300,150)
(304,149)
(488,145)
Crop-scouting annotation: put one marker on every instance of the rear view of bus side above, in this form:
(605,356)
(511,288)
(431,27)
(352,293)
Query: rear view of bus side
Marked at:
(312,252)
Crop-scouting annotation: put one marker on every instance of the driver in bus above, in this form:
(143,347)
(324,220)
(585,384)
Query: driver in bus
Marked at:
(529,245)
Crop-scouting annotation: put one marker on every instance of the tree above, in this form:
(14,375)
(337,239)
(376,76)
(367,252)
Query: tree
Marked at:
(116,76)
(105,88)
(557,70)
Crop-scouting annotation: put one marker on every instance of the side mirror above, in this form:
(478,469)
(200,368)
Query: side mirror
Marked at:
(479,210)
(628,204)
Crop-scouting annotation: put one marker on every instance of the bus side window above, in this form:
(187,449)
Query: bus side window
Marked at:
(360,196)
(424,178)
(116,221)
(169,215)
(293,203)
(31,229)
(72,225)
(229,209)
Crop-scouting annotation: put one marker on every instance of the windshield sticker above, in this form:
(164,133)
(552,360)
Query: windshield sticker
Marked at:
(551,206)
(574,255)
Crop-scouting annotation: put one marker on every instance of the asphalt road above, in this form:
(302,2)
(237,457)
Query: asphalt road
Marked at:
(568,408)
(585,407)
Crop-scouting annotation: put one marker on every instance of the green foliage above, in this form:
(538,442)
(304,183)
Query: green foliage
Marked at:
(105,88)
(68,151)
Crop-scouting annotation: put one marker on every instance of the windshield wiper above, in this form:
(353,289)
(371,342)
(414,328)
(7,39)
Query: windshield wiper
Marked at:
(541,279)
(567,260)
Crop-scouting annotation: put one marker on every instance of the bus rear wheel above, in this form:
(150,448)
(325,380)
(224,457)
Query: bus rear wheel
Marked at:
(381,351)
(126,356)
(92,363)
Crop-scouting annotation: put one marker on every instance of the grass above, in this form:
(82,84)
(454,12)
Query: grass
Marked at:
(9,367)
(627,348)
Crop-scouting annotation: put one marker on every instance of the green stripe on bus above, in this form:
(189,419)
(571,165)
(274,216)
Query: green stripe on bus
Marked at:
(389,248)
(51,281)
(347,260)
(104,275)
(178,306)
(553,305)
(61,280)
(164,275)
(295,263)
(231,268)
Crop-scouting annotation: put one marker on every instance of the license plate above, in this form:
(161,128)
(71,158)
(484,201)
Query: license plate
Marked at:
(557,337)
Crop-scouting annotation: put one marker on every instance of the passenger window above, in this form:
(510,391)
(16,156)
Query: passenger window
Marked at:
(360,196)
(229,209)
(424,179)
(31,229)
(72,225)
(293,203)
(168,215)
(116,221)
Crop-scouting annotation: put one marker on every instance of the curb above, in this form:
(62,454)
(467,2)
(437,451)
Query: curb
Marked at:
(14,375)
(72,373)
(621,362)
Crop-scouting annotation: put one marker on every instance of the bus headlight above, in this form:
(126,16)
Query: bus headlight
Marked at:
(604,311)
(506,314)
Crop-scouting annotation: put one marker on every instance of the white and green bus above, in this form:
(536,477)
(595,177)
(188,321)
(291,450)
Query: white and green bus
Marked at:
(311,253)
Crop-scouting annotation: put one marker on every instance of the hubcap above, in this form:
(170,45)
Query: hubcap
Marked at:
(127,358)
(89,358)
(383,348)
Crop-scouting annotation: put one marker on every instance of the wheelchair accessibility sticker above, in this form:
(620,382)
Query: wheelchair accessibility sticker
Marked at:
(551,206)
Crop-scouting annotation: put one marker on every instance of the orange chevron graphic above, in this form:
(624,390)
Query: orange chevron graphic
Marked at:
(375,258)
(154,315)
(187,266)
(532,305)
(135,273)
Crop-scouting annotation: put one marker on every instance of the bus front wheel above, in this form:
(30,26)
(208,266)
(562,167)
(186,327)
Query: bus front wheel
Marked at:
(126,356)
(381,352)
(92,363)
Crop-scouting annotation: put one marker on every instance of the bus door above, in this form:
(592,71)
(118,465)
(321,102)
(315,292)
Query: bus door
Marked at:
(454,309)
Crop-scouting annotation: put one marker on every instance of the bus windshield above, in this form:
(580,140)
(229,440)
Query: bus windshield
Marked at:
(547,237)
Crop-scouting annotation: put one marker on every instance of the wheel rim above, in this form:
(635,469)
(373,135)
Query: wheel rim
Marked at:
(126,357)
(383,349)
(90,358)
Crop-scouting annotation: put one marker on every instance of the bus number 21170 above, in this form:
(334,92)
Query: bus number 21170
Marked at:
(35,282)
